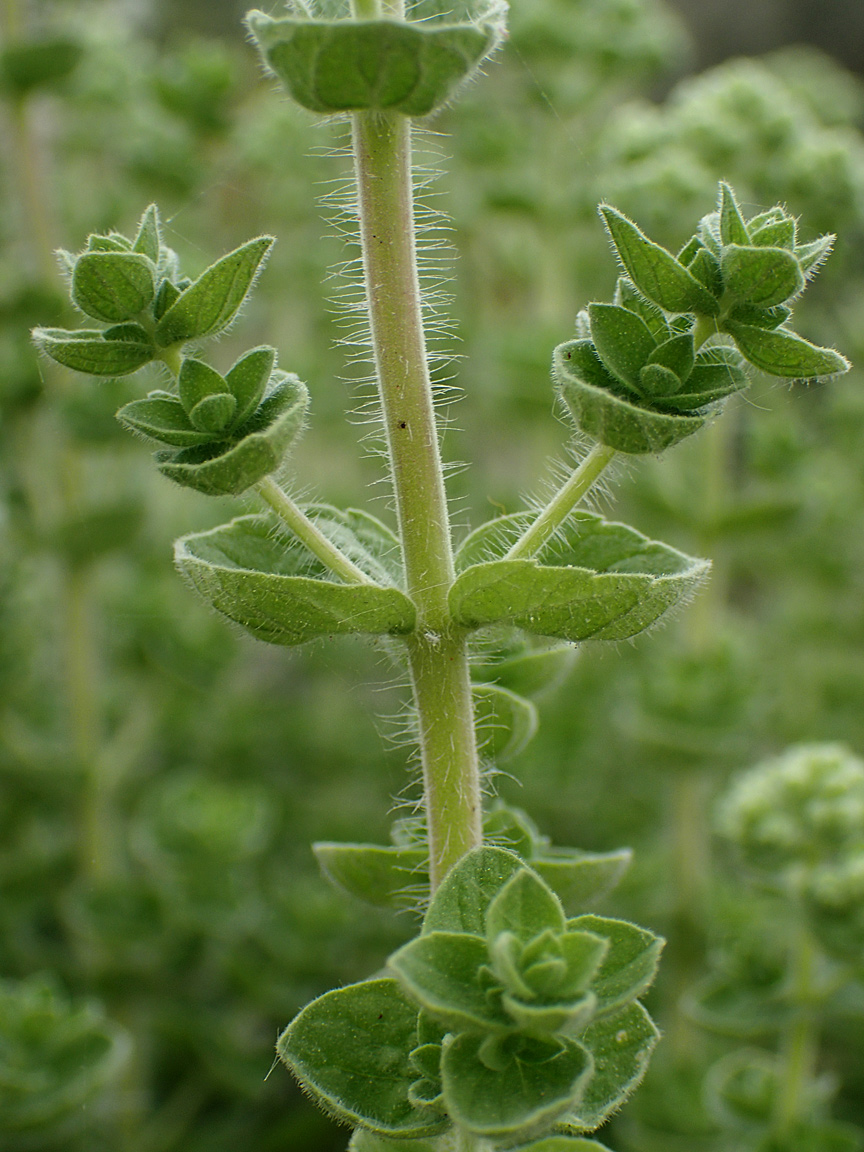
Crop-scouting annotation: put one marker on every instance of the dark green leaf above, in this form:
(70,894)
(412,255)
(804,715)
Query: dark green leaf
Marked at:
(87,351)
(27,65)
(621,1046)
(505,722)
(161,418)
(760,317)
(442,971)
(706,268)
(350,1049)
(274,589)
(763,277)
(379,64)
(719,371)
(784,353)
(165,297)
(654,270)
(622,340)
(654,318)
(196,381)
(776,234)
(462,900)
(630,964)
(678,354)
(657,382)
(733,230)
(208,305)
(248,378)
(383,875)
(149,234)
(112,286)
(539,1081)
(214,414)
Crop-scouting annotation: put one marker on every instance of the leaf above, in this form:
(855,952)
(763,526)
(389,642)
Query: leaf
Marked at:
(731,1006)
(384,65)
(365,1141)
(364,539)
(599,579)
(196,381)
(531,673)
(621,1046)
(161,419)
(252,575)
(27,65)
(718,372)
(442,971)
(562,1144)
(654,270)
(505,722)
(657,382)
(350,1049)
(214,414)
(706,268)
(539,1081)
(775,234)
(611,419)
(462,900)
(783,353)
(733,230)
(763,277)
(87,351)
(579,879)
(166,294)
(248,378)
(112,286)
(678,354)
(148,239)
(383,875)
(622,340)
(630,964)
(212,301)
(810,257)
(526,907)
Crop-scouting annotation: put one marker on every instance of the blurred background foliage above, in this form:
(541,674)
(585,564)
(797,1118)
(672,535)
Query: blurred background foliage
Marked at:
(161,776)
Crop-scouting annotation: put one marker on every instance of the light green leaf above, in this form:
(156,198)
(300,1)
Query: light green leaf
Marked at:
(542,1019)
(783,353)
(149,234)
(526,907)
(654,270)
(196,381)
(810,257)
(350,1049)
(611,419)
(763,277)
(161,418)
(540,1080)
(88,351)
(462,900)
(379,64)
(275,590)
(581,878)
(248,378)
(622,340)
(733,230)
(562,1144)
(383,875)
(776,234)
(630,964)
(598,580)
(112,286)
(113,242)
(364,539)
(208,305)
(706,268)
(505,722)
(654,318)
(533,671)
(621,1046)
(442,971)
(165,297)
(731,1006)
(365,1141)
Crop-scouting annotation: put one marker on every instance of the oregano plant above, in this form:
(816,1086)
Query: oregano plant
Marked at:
(513,1019)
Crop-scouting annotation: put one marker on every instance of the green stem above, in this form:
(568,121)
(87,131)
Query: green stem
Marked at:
(562,503)
(314,539)
(800,1045)
(437,651)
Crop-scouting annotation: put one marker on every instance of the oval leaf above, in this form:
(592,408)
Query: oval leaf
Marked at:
(383,875)
(622,340)
(462,900)
(253,576)
(579,879)
(763,277)
(88,351)
(161,418)
(112,286)
(442,971)
(630,964)
(783,353)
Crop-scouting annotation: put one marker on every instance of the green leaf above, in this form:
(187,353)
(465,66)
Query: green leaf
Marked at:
(383,875)
(273,588)
(654,270)
(810,257)
(763,277)
(505,722)
(211,302)
(462,900)
(678,354)
(526,907)
(196,381)
(732,1006)
(775,234)
(112,286)
(706,268)
(658,382)
(621,1046)
(598,579)
(654,318)
(622,340)
(350,1049)
(379,64)
(113,242)
(27,65)
(364,539)
(214,414)
(718,372)
(365,1141)
(783,353)
(630,964)
(247,379)
(539,1081)
(579,879)
(562,1144)
(611,419)
(531,673)
(148,239)
(229,468)
(87,351)
(165,297)
(442,971)
(161,419)
(733,230)
(543,1019)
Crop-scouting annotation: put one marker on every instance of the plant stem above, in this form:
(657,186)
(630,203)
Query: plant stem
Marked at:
(562,503)
(437,651)
(800,1046)
(314,539)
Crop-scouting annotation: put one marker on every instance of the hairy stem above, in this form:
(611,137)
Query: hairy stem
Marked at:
(437,651)
(562,503)
(314,539)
